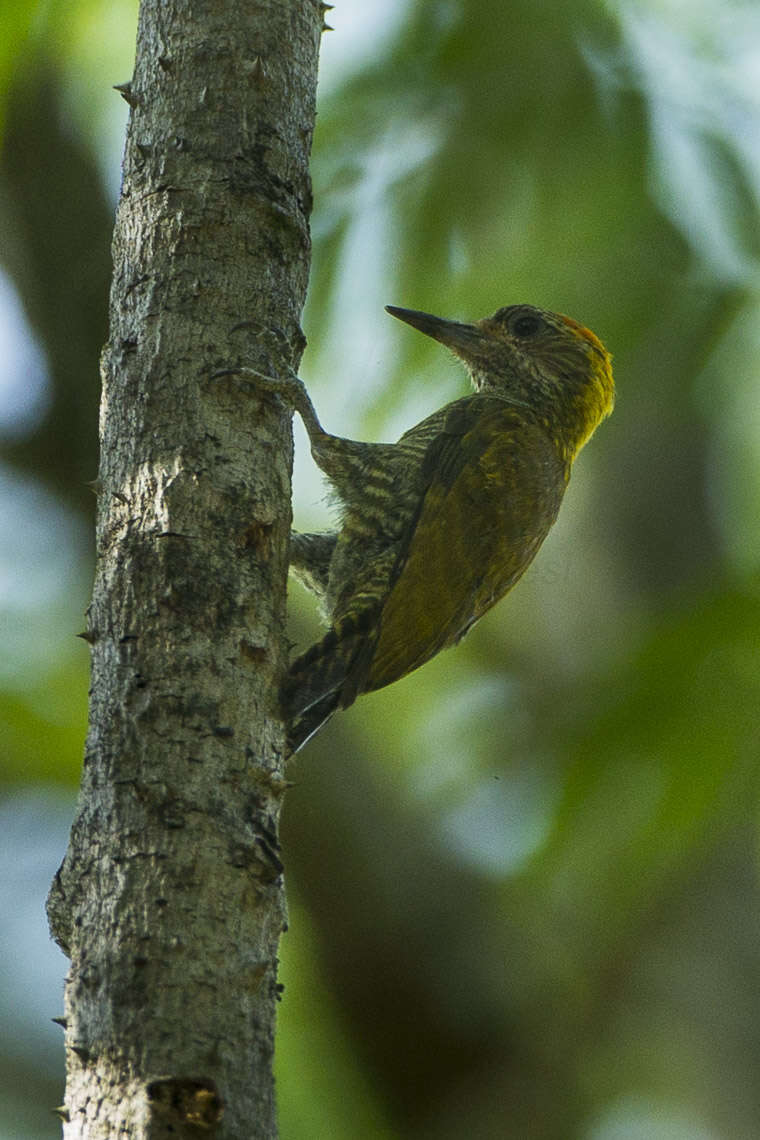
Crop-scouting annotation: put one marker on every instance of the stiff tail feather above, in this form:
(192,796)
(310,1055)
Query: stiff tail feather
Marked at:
(328,676)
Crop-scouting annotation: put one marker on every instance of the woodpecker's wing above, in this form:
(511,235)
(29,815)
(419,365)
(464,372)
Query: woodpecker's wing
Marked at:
(494,486)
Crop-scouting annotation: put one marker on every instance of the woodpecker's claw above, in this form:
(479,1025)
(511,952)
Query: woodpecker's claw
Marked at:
(290,388)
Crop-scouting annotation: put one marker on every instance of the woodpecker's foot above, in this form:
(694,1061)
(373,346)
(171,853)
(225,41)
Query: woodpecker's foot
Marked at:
(310,558)
(290,387)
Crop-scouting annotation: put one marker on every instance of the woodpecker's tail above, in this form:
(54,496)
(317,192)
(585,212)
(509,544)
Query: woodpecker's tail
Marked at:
(328,676)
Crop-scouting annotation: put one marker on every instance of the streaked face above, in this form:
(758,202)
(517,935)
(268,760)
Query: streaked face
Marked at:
(545,360)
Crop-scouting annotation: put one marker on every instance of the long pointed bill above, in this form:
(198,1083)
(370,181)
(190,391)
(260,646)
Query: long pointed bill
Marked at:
(464,340)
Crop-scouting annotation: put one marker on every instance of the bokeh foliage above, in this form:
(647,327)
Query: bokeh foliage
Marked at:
(524,879)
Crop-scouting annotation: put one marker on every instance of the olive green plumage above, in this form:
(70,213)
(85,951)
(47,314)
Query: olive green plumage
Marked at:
(440,525)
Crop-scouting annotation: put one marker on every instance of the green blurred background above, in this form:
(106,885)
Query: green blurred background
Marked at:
(523,881)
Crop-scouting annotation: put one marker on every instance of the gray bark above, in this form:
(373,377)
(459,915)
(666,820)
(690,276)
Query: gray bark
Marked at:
(169,902)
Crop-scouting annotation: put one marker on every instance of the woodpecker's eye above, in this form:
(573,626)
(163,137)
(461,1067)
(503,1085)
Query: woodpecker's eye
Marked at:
(526,326)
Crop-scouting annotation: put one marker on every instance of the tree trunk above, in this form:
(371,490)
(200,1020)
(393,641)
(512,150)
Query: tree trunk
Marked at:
(169,902)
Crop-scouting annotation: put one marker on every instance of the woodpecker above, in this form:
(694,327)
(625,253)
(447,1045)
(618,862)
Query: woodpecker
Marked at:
(437,527)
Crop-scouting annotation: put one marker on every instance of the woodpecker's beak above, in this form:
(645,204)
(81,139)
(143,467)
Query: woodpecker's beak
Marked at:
(464,340)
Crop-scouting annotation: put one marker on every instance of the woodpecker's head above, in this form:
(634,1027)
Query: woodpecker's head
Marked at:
(530,356)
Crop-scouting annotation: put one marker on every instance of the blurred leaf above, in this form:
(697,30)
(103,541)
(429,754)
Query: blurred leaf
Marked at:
(18,18)
(43,731)
(322,1088)
(663,761)
(60,261)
